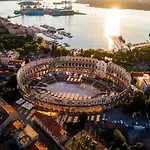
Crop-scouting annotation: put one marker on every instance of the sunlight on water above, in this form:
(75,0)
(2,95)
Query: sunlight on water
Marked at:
(112,24)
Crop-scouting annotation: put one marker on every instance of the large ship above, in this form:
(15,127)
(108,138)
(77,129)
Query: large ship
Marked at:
(30,8)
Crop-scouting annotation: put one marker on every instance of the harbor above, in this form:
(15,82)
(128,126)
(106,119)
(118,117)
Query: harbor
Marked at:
(54,35)
(63,8)
(95,25)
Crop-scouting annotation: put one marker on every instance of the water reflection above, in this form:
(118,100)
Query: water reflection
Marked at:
(112,24)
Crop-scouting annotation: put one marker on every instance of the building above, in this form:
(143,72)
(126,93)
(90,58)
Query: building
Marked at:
(83,140)
(12,128)
(49,44)
(6,57)
(96,72)
(143,82)
(7,115)
(15,65)
(25,136)
(31,31)
(38,145)
(51,127)
(16,29)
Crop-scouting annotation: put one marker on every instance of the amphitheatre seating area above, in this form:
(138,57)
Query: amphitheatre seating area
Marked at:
(50,78)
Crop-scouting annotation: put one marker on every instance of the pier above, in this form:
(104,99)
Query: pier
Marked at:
(119,42)
(9,17)
(138,45)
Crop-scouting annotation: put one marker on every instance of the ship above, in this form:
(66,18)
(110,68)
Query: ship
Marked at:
(62,12)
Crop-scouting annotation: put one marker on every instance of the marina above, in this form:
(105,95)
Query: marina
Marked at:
(95,25)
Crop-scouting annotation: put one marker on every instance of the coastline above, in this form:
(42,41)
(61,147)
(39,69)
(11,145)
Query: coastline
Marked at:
(107,5)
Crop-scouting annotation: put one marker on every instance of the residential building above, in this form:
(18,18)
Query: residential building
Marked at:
(25,136)
(7,115)
(83,140)
(12,128)
(6,57)
(143,82)
(38,145)
(51,127)
(15,65)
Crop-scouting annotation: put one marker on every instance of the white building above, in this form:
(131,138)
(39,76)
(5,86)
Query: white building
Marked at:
(144,83)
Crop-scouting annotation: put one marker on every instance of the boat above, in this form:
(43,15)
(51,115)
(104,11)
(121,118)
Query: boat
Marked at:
(62,12)
(52,29)
(66,45)
(35,12)
(59,29)
(17,12)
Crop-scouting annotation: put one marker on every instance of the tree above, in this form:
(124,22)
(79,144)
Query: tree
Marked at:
(138,146)
(10,95)
(12,82)
(82,120)
(20,51)
(1,46)
(120,140)
(39,40)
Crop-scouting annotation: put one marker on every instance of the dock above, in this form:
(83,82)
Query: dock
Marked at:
(138,45)
(9,17)
(119,42)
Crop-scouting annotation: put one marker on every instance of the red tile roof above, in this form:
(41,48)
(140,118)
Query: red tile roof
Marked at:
(3,116)
(5,112)
(38,145)
(16,61)
(139,74)
(7,73)
(12,127)
(51,125)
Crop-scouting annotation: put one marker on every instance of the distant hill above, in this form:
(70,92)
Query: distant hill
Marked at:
(122,4)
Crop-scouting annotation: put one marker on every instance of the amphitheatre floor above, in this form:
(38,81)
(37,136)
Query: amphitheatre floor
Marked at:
(80,89)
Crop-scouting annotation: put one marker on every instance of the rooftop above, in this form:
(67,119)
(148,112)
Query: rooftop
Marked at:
(16,61)
(83,140)
(38,145)
(51,125)
(145,78)
(9,109)
(26,135)
(147,81)
(13,126)
(8,54)
(7,74)
(5,112)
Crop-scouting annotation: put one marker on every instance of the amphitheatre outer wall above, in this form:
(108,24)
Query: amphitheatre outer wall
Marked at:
(89,67)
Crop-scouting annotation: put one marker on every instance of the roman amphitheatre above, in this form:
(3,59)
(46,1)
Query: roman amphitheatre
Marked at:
(73,84)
